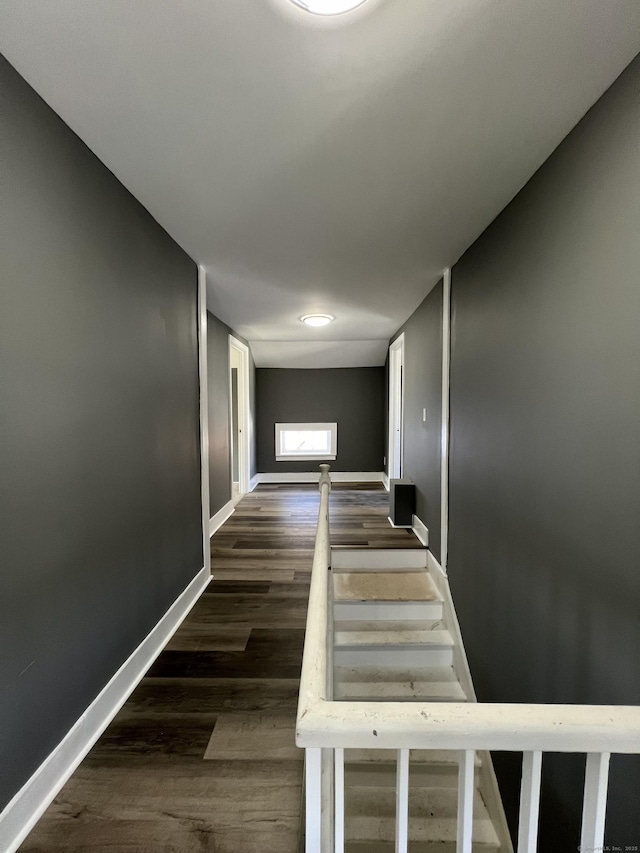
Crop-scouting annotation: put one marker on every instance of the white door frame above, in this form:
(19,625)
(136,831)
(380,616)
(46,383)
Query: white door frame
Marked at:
(204,413)
(396,408)
(244,410)
(445,434)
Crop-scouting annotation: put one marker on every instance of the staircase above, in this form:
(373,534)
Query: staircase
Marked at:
(395,742)
(396,639)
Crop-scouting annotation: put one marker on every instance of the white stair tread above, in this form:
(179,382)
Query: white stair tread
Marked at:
(384,586)
(406,691)
(369,639)
(370,815)
(374,674)
(415,847)
(436,684)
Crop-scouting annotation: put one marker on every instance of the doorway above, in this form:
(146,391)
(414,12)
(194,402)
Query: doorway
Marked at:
(396,408)
(239,417)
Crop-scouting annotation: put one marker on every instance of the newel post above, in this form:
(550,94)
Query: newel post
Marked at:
(324,476)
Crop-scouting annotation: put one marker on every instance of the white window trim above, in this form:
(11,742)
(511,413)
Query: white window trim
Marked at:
(306,457)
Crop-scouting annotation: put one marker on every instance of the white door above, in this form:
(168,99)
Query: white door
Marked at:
(239,414)
(396,426)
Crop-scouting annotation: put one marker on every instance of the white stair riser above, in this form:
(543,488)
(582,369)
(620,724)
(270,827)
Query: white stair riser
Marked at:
(420,776)
(394,657)
(416,847)
(370,611)
(415,625)
(387,560)
(348,693)
(343,570)
(449,758)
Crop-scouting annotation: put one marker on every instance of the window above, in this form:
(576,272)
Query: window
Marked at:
(306,441)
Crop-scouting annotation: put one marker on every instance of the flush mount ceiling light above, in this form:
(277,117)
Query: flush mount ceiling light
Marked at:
(317,319)
(328,7)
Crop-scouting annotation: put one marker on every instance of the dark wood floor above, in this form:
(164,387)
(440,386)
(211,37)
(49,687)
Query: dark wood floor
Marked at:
(201,757)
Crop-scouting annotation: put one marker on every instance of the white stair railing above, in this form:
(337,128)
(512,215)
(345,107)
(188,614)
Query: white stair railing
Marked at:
(325,728)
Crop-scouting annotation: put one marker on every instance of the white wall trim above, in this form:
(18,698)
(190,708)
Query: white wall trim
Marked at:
(385,480)
(444,459)
(204,413)
(27,806)
(327,454)
(253,482)
(216,521)
(421,530)
(395,450)
(312,477)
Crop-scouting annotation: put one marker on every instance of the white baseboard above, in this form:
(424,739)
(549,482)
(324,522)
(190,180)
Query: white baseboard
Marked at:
(216,521)
(253,482)
(400,526)
(421,530)
(385,480)
(313,477)
(460,662)
(28,805)
(434,567)
(489,783)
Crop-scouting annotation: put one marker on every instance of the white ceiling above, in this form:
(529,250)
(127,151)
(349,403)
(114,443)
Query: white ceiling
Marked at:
(329,164)
(319,353)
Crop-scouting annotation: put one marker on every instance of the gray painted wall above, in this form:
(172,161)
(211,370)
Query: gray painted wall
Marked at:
(351,397)
(544,554)
(100,527)
(423,389)
(219,413)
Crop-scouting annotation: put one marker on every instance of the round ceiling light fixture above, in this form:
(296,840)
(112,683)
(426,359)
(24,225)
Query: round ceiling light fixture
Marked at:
(317,319)
(328,7)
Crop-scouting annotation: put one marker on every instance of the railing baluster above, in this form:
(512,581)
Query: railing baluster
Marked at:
(529,802)
(313,791)
(594,805)
(339,800)
(402,801)
(328,799)
(466,785)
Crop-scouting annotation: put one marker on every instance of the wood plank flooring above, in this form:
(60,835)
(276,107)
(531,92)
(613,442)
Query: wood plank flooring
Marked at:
(202,757)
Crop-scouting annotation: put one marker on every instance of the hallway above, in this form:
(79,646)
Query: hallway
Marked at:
(451,189)
(202,755)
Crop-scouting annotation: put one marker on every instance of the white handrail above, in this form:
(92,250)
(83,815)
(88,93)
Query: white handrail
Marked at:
(479,726)
(314,675)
